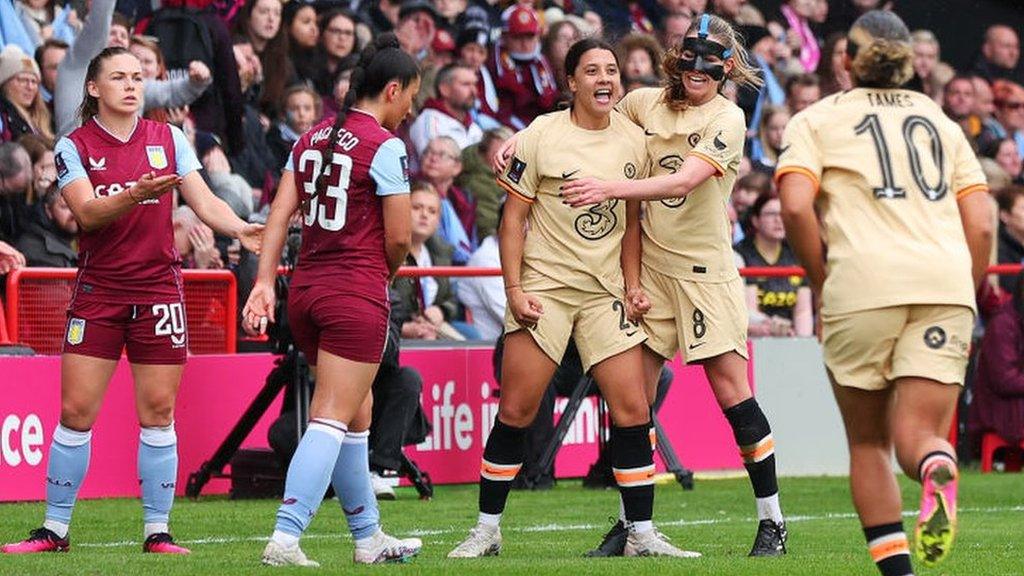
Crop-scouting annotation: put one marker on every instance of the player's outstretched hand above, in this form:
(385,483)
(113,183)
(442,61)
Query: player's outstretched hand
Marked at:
(503,154)
(251,237)
(637,304)
(586,191)
(526,308)
(259,309)
(152,186)
(10,258)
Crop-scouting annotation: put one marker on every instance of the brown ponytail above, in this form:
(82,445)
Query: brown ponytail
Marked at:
(879,46)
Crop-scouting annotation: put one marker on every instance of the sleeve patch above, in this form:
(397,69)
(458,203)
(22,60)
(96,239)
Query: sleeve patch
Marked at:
(516,170)
(405,167)
(62,167)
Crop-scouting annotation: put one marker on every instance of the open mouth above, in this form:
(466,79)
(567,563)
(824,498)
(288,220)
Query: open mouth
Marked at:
(697,78)
(603,96)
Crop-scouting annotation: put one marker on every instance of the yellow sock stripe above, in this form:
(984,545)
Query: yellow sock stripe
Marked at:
(632,477)
(758,452)
(499,472)
(888,546)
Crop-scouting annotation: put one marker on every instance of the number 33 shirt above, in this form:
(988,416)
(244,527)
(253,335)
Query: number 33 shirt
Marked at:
(343,228)
(890,168)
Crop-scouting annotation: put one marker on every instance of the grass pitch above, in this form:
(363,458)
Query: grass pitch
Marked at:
(544,533)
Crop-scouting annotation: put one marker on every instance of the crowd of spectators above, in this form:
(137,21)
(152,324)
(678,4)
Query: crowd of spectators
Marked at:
(245,78)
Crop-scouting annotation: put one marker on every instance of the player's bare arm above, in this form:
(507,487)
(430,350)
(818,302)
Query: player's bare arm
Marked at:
(94,212)
(511,237)
(216,214)
(637,303)
(259,309)
(586,191)
(976,215)
(397,230)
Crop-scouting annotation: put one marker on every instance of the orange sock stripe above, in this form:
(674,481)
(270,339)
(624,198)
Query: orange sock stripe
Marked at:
(889,546)
(630,477)
(758,452)
(654,439)
(499,472)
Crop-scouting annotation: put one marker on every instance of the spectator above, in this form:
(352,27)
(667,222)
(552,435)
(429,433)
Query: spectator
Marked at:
(1007,156)
(442,49)
(22,109)
(337,48)
(926,57)
(259,21)
(380,15)
(49,241)
(417,25)
(766,53)
(779,306)
(831,70)
(300,20)
(302,110)
(523,77)
(341,82)
(557,41)
(46,20)
(472,49)
(767,146)
(478,176)
(984,105)
(154,68)
(44,171)
(430,301)
(747,189)
(958,104)
(226,185)
(441,165)
(1000,55)
(640,56)
(451,113)
(727,9)
(194,241)
(484,296)
(1011,232)
(793,23)
(15,178)
(674,27)
(997,394)
(1008,98)
(802,91)
(255,162)
(48,57)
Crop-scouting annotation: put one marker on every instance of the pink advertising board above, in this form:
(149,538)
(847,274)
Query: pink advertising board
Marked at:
(457,398)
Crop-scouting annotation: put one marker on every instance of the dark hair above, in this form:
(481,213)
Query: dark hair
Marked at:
(645,42)
(1008,196)
(581,47)
(49,44)
(121,20)
(444,75)
(759,204)
(381,62)
(990,148)
(825,71)
(90,105)
(879,46)
(804,80)
(277,66)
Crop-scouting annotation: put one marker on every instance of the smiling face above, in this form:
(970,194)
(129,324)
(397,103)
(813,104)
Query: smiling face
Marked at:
(596,84)
(700,87)
(22,89)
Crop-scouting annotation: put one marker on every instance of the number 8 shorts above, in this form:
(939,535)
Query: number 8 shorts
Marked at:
(150,333)
(700,319)
(597,322)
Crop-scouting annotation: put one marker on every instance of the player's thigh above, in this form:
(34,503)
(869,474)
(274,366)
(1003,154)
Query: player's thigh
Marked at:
(156,388)
(934,344)
(158,333)
(621,384)
(342,386)
(923,407)
(526,370)
(712,319)
(858,346)
(660,322)
(83,383)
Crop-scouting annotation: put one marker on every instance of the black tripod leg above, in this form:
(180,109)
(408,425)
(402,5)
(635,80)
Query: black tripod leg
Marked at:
(547,459)
(668,456)
(418,478)
(234,439)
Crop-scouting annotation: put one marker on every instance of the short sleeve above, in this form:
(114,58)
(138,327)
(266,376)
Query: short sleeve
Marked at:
(68,162)
(185,155)
(800,152)
(390,168)
(521,176)
(721,145)
(968,176)
(629,106)
(289,164)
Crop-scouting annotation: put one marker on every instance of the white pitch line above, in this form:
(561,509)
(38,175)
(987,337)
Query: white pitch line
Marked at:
(543,528)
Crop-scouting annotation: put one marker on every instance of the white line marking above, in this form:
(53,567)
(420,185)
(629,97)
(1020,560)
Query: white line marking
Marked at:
(540,528)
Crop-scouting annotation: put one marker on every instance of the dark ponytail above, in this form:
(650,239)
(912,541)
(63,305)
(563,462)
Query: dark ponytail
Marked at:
(381,62)
(90,105)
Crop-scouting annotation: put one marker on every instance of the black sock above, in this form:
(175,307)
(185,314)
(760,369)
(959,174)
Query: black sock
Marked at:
(633,465)
(757,447)
(503,457)
(889,549)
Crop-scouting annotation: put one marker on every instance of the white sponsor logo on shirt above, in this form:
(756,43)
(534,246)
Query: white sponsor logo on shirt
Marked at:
(97,165)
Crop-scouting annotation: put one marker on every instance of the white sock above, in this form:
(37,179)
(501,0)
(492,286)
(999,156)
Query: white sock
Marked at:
(58,528)
(489,519)
(364,543)
(285,539)
(769,509)
(642,526)
(151,528)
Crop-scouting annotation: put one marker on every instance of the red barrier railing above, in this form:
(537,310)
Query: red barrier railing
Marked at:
(37,300)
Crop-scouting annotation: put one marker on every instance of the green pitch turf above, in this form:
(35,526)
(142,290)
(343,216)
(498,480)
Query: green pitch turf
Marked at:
(544,532)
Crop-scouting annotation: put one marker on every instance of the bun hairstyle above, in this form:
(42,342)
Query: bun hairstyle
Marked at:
(880,51)
(91,105)
(381,62)
(719,30)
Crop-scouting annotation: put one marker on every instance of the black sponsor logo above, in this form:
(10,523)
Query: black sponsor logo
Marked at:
(935,337)
(59,482)
(719,145)
(649,133)
(598,221)
(697,345)
(516,170)
(700,269)
(693,139)
(630,334)
(569,174)
(673,163)
(629,170)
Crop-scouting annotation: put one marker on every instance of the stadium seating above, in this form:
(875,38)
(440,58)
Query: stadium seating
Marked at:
(991,442)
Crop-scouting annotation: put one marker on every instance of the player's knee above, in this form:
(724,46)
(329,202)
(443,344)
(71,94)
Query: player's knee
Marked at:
(516,415)
(77,415)
(634,412)
(156,415)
